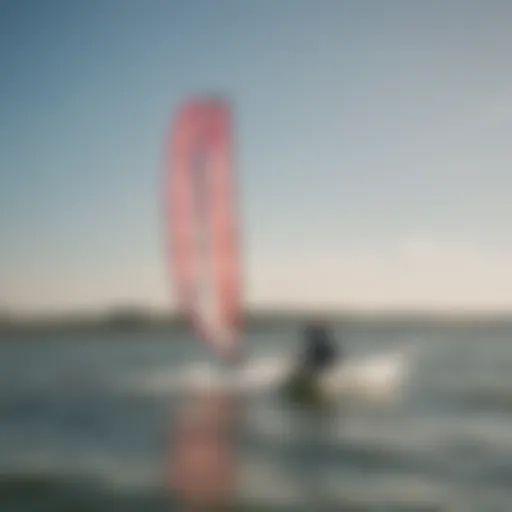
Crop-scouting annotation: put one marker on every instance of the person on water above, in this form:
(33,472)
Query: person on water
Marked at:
(318,354)
(320,351)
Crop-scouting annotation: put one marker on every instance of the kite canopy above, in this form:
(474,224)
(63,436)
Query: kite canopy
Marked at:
(201,220)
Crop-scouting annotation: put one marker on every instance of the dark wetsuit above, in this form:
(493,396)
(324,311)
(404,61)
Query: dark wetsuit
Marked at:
(318,354)
(320,351)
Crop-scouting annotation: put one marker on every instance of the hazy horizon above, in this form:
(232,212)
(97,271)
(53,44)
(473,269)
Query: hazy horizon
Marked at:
(141,312)
(372,149)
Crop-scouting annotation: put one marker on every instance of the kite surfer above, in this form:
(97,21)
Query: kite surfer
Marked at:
(319,353)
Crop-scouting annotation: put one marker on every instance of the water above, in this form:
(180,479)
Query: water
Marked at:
(85,421)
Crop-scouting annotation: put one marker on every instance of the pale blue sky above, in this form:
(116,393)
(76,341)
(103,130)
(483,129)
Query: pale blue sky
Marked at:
(373,147)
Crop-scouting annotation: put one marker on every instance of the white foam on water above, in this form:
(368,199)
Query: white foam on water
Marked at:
(377,376)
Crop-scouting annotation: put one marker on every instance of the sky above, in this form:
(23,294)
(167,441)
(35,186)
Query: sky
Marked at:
(372,148)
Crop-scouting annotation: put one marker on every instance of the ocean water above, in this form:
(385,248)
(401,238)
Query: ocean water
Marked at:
(85,422)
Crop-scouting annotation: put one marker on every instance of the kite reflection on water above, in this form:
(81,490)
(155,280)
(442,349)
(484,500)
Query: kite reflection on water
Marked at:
(202,468)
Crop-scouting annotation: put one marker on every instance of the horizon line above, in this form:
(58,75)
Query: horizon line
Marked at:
(107,312)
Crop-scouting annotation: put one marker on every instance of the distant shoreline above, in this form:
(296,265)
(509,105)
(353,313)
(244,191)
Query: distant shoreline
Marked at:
(138,319)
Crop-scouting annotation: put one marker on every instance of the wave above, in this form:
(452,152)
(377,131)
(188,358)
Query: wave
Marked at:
(373,376)
(58,492)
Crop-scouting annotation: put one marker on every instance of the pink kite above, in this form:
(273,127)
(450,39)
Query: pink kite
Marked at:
(201,221)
